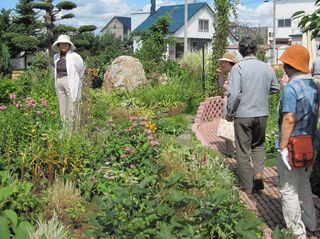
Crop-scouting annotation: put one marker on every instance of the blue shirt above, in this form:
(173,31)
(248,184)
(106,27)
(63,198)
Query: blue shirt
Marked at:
(300,96)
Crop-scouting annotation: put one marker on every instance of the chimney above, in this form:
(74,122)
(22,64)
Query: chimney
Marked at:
(153,7)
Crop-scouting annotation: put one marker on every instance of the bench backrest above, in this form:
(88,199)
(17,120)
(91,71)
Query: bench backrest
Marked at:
(211,108)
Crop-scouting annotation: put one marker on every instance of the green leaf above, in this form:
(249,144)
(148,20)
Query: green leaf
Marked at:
(174,178)
(5,193)
(4,228)
(23,230)
(13,217)
(297,14)
(276,233)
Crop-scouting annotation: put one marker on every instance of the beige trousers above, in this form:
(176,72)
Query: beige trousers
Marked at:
(296,198)
(66,105)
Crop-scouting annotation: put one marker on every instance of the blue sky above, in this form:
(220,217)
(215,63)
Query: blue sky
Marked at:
(99,12)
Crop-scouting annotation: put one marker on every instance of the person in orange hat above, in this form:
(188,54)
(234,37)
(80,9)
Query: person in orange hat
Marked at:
(226,130)
(298,115)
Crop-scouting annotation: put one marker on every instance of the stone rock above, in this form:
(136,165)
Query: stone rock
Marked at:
(124,72)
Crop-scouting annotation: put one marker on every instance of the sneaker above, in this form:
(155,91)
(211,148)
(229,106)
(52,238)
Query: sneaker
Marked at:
(258,184)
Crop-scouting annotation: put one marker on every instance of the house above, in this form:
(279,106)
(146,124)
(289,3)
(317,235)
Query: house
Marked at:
(199,33)
(287,30)
(120,27)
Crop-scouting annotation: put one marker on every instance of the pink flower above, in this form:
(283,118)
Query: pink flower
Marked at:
(2,107)
(132,166)
(154,143)
(112,158)
(150,137)
(143,123)
(134,125)
(94,179)
(143,118)
(44,102)
(31,103)
(128,150)
(19,104)
(133,118)
(12,96)
(147,131)
(123,156)
(39,113)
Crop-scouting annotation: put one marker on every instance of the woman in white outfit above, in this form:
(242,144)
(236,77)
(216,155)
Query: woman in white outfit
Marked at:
(68,70)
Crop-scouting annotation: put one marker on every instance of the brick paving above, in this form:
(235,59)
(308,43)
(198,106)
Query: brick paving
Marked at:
(266,204)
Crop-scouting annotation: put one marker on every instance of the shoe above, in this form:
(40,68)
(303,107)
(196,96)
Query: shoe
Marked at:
(258,184)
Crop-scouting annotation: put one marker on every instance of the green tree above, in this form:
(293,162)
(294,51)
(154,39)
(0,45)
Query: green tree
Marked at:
(5,22)
(223,11)
(154,43)
(22,35)
(51,18)
(309,22)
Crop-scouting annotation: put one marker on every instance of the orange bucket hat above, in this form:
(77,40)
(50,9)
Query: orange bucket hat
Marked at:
(298,57)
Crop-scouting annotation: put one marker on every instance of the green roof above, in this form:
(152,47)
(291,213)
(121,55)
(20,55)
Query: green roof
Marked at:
(176,12)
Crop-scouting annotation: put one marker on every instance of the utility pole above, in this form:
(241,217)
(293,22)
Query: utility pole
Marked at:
(274,34)
(185,27)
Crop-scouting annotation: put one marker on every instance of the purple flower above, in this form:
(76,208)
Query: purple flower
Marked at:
(31,103)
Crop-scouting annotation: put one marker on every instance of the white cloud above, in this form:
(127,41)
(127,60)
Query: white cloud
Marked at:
(258,16)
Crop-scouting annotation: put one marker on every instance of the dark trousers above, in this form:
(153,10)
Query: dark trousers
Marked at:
(250,154)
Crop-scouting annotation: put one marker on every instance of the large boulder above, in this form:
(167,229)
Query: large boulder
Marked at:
(124,72)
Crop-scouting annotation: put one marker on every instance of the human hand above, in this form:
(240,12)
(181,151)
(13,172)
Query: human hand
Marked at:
(285,157)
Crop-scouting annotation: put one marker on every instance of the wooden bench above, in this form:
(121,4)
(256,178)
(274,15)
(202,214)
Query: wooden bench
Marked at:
(266,204)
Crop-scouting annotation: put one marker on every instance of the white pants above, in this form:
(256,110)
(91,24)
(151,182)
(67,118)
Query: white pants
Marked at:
(66,104)
(296,198)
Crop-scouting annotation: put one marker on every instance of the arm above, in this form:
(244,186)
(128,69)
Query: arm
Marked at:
(275,87)
(287,126)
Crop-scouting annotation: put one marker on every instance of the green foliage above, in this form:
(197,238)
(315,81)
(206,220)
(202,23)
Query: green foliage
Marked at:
(41,62)
(223,10)
(174,125)
(174,201)
(309,22)
(154,43)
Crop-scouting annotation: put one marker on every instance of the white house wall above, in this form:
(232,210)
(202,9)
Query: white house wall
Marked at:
(285,9)
(137,18)
(193,25)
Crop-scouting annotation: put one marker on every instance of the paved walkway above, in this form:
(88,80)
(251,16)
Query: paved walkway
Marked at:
(266,203)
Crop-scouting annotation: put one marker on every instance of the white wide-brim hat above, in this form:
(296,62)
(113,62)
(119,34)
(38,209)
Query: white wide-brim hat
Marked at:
(62,39)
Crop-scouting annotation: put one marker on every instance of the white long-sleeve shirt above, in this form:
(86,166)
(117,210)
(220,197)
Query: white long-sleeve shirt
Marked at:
(75,70)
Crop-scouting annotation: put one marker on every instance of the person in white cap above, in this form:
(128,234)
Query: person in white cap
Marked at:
(228,60)
(69,69)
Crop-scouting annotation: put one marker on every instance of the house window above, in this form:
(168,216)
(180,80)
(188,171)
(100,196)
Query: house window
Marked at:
(203,25)
(284,23)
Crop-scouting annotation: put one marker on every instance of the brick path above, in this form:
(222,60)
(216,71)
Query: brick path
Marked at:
(266,203)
